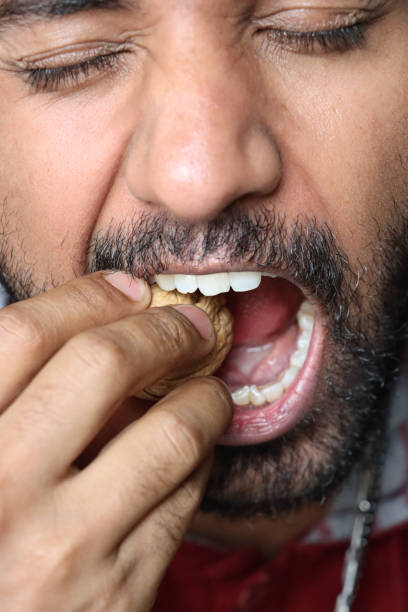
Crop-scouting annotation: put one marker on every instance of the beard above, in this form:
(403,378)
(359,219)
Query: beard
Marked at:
(365,311)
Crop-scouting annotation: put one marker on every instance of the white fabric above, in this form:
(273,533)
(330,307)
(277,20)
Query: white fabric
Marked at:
(3,297)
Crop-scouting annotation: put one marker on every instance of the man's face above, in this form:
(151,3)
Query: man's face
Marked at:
(266,135)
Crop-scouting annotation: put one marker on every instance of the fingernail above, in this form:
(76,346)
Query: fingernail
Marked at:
(198,318)
(133,288)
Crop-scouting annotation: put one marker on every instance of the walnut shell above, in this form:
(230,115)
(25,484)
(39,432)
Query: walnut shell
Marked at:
(222,322)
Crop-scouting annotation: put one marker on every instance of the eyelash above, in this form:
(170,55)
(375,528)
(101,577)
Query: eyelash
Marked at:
(53,79)
(335,40)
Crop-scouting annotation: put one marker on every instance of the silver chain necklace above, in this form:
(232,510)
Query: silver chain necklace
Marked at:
(365,513)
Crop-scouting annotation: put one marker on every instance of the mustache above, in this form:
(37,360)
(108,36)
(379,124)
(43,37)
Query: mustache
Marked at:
(304,251)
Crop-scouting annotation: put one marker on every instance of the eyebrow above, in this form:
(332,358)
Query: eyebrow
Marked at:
(21,12)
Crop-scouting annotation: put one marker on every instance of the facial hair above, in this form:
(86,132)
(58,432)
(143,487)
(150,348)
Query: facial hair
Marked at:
(364,309)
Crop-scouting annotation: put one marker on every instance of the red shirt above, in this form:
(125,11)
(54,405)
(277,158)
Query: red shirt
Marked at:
(303,578)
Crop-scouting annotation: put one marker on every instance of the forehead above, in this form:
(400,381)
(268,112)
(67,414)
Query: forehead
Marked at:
(49,8)
(16,8)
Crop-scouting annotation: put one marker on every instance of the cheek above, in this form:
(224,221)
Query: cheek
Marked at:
(57,168)
(346,145)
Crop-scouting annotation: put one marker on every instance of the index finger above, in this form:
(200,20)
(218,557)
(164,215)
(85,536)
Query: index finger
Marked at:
(33,330)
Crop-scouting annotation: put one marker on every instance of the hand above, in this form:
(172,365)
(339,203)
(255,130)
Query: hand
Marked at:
(99,538)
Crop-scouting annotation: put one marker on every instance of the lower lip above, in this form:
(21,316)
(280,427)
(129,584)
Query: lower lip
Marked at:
(258,425)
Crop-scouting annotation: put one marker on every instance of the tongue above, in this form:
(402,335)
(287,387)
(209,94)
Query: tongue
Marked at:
(264,333)
(263,312)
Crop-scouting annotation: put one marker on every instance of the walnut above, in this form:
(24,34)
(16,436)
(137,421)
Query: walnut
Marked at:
(222,322)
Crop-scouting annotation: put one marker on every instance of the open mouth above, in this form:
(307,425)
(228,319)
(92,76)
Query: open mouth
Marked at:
(273,366)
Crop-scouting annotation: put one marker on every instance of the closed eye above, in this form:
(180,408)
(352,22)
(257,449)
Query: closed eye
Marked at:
(52,79)
(338,40)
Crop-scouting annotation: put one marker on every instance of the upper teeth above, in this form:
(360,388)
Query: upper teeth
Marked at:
(210,284)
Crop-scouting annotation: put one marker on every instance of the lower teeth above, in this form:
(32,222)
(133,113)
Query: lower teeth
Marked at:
(258,396)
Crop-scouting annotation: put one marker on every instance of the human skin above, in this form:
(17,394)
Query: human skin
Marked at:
(88,546)
(170,130)
(201,111)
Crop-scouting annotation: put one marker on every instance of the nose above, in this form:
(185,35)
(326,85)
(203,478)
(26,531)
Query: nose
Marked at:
(203,143)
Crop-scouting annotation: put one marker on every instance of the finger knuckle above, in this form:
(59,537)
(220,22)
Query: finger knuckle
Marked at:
(94,294)
(171,520)
(191,495)
(39,419)
(167,332)
(173,526)
(98,350)
(22,325)
(186,440)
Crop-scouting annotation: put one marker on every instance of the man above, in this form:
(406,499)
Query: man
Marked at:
(203,144)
